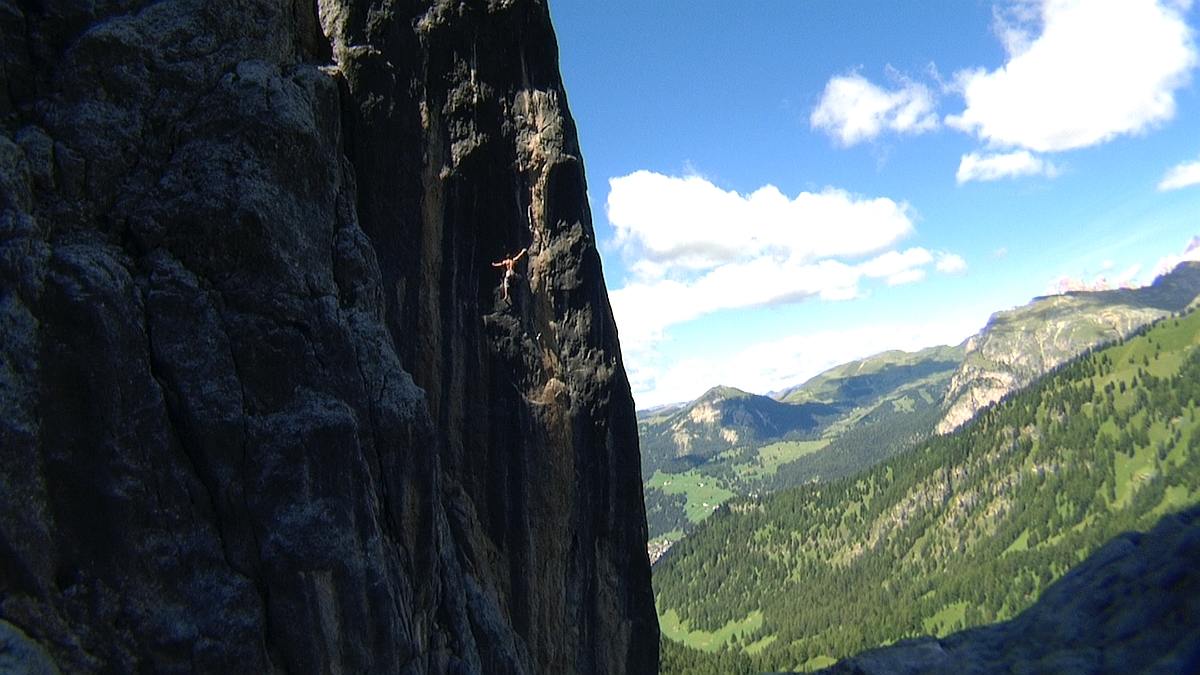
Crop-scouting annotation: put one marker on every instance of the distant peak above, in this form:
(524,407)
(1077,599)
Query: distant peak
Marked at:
(724,392)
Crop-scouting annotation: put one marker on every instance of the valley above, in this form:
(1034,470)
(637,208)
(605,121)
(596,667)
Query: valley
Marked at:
(730,442)
(962,530)
(855,415)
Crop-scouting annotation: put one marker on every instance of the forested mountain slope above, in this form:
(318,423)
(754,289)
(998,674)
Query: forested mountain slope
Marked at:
(1132,607)
(965,530)
(731,442)
(852,416)
(869,380)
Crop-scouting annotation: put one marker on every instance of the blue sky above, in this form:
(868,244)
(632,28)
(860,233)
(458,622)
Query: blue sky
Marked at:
(779,187)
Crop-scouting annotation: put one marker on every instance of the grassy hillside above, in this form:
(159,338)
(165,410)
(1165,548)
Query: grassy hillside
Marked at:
(862,383)
(857,414)
(734,442)
(964,530)
(721,420)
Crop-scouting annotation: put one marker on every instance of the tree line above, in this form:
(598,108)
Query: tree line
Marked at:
(962,530)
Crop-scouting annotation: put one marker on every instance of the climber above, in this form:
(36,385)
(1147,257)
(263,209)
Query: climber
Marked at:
(508,264)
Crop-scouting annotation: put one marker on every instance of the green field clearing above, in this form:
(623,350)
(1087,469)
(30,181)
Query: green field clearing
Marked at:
(756,647)
(817,663)
(771,457)
(1175,498)
(1021,544)
(673,535)
(948,619)
(704,493)
(1132,472)
(709,642)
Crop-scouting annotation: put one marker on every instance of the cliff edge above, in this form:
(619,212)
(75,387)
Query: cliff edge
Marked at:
(265,406)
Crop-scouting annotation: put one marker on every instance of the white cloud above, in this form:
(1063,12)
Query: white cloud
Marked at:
(1096,69)
(670,224)
(852,109)
(1001,165)
(1014,23)
(906,277)
(773,366)
(1180,176)
(897,266)
(694,249)
(644,310)
(1191,253)
(951,263)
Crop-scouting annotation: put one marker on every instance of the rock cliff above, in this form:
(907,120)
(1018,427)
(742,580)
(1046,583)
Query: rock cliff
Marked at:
(264,405)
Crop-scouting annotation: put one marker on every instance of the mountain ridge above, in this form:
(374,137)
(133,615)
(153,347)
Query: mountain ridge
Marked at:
(861,412)
(1017,346)
(964,530)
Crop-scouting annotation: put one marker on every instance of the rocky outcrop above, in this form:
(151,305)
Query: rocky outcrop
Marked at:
(1132,607)
(1020,345)
(263,405)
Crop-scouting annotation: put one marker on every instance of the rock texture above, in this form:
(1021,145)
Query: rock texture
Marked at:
(1132,607)
(1021,345)
(263,407)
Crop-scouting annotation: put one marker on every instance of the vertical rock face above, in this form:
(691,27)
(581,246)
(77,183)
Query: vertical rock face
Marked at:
(263,404)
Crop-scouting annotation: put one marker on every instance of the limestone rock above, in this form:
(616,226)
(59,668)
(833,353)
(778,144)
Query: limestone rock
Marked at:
(1020,345)
(262,406)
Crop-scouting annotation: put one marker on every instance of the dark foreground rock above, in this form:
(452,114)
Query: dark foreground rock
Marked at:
(1132,607)
(263,405)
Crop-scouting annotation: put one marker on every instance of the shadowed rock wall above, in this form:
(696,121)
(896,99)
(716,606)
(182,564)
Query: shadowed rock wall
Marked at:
(263,407)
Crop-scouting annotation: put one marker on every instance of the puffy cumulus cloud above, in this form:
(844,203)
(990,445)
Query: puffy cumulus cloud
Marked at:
(951,263)
(694,249)
(1180,176)
(1096,69)
(777,365)
(905,277)
(1000,165)
(852,109)
(898,267)
(644,310)
(669,224)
